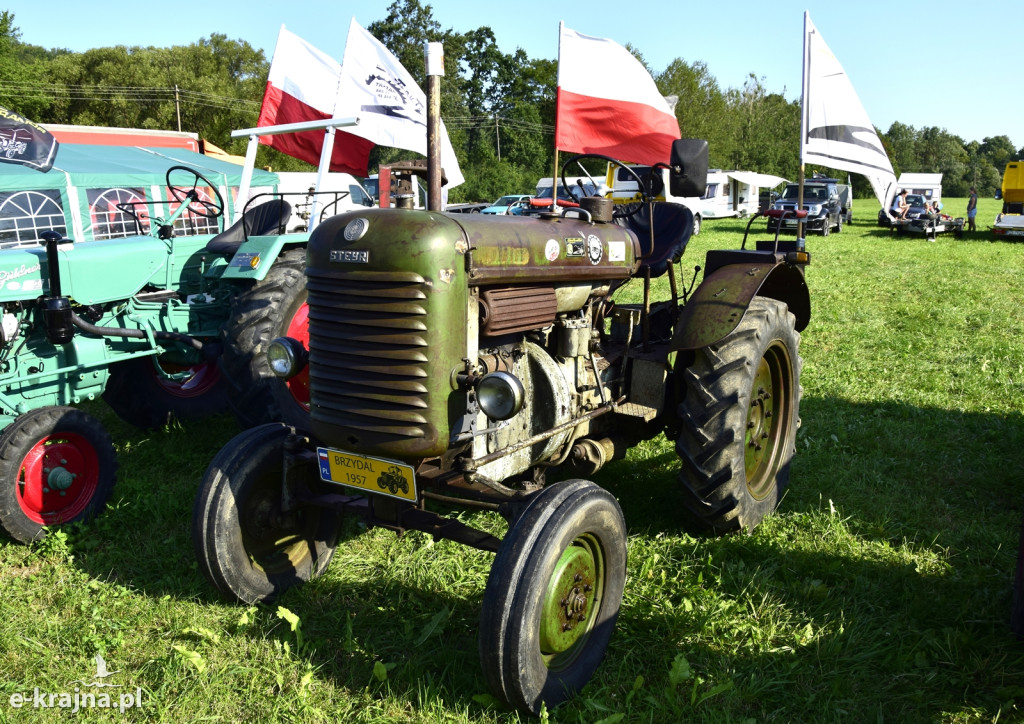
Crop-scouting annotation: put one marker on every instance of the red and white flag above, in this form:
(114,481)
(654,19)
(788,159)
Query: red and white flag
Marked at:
(617,111)
(370,83)
(303,86)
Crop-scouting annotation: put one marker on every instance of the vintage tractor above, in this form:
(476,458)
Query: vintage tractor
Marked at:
(456,359)
(158,324)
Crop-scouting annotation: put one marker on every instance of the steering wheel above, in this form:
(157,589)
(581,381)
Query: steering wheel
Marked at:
(190,197)
(620,211)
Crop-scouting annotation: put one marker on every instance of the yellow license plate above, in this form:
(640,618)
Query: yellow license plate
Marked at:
(374,475)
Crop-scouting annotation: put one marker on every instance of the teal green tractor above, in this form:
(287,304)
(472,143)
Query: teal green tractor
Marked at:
(162,324)
(460,360)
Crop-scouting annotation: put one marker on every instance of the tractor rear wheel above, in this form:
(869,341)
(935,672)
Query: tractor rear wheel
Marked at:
(246,546)
(57,465)
(738,420)
(553,595)
(274,307)
(141,397)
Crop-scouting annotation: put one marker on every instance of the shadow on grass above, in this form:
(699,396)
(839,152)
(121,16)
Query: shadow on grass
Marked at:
(888,477)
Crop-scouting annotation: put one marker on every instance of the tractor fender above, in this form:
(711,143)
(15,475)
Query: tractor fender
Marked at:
(253,259)
(716,307)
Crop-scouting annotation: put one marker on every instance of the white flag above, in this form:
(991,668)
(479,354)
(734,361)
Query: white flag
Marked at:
(391,107)
(835,129)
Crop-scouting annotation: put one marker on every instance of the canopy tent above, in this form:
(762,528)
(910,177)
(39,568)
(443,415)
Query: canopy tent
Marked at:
(79,195)
(763,180)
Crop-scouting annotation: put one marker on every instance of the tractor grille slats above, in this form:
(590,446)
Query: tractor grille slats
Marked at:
(369,352)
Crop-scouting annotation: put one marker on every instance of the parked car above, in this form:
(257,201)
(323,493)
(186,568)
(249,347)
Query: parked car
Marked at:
(470,208)
(918,207)
(821,200)
(501,206)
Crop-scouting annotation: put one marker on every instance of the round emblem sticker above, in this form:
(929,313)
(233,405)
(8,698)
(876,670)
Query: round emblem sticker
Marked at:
(551,250)
(594,249)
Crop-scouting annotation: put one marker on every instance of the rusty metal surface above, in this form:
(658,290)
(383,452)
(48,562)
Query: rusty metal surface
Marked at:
(516,309)
(521,250)
(717,305)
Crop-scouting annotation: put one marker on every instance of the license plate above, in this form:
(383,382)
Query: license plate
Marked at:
(374,475)
(1016,232)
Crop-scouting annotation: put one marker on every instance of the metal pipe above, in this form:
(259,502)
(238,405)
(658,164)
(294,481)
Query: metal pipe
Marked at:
(470,465)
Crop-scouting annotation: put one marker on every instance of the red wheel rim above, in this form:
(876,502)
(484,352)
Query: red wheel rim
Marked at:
(298,329)
(58,478)
(204,377)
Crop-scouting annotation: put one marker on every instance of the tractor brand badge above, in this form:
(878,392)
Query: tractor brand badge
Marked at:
(353,256)
(552,249)
(595,250)
(575,246)
(7,277)
(245,259)
(616,251)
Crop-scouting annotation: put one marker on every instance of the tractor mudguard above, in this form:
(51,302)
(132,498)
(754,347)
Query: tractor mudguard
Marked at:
(716,307)
(255,257)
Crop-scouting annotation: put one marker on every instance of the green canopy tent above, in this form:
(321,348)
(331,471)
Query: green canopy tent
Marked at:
(79,195)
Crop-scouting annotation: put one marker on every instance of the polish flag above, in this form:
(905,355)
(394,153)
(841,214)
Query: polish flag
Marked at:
(303,86)
(608,103)
(306,84)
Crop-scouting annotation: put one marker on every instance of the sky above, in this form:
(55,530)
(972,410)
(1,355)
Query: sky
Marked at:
(923,64)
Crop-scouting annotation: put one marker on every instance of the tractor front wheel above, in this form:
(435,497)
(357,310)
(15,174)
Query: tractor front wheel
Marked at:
(57,465)
(738,420)
(274,307)
(553,595)
(246,545)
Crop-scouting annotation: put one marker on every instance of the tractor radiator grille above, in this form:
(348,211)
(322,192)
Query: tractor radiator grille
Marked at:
(369,357)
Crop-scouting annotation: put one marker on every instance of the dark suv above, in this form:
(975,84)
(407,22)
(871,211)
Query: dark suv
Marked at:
(821,201)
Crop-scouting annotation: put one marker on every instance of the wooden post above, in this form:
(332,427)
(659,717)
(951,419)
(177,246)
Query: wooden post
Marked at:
(434,53)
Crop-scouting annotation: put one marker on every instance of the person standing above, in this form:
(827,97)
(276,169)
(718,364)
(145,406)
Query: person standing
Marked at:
(972,209)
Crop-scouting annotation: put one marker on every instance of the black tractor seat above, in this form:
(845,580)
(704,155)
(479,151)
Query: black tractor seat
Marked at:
(673,226)
(270,217)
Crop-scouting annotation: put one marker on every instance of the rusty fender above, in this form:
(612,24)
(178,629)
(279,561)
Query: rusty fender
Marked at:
(718,304)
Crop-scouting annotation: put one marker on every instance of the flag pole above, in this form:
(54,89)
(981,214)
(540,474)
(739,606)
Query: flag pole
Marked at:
(803,125)
(433,53)
(554,174)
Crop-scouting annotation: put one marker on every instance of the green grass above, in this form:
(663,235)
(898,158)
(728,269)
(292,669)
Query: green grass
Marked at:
(879,592)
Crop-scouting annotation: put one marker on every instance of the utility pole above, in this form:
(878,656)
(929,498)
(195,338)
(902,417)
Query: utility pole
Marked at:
(497,137)
(177,106)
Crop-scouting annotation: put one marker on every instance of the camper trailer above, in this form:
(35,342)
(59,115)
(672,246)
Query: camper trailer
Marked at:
(928,185)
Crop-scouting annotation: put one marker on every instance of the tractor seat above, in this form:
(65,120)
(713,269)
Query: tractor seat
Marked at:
(673,225)
(269,217)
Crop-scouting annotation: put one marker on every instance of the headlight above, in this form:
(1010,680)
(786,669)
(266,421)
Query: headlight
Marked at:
(287,357)
(500,395)
(814,209)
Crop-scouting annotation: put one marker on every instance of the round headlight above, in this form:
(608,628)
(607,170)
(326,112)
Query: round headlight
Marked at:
(287,357)
(500,395)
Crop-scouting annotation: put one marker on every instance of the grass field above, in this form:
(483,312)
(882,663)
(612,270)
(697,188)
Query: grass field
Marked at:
(879,592)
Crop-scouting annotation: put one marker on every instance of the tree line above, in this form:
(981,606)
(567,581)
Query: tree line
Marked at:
(499,107)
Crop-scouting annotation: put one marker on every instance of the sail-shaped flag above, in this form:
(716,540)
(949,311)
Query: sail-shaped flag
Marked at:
(306,84)
(835,129)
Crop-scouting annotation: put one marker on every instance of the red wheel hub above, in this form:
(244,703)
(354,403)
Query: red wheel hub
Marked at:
(203,378)
(298,329)
(58,478)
